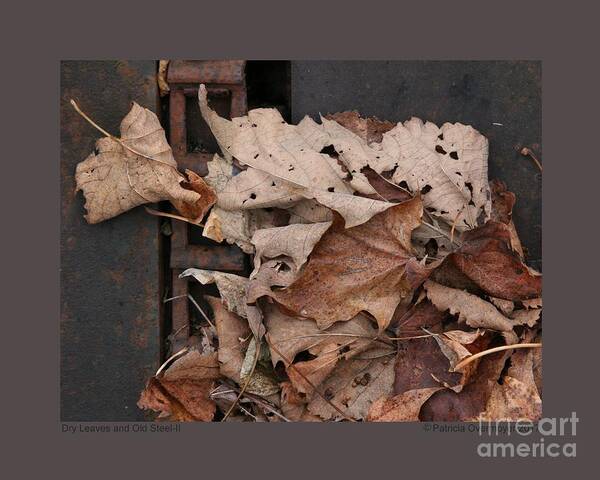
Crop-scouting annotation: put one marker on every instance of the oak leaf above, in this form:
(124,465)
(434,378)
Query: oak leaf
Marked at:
(472,310)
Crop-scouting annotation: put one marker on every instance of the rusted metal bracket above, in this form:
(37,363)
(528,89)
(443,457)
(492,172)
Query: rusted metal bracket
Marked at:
(226,86)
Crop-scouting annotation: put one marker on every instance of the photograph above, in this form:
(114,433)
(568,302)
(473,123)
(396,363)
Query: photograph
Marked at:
(272,241)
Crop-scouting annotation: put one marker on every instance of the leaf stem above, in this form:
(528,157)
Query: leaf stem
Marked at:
(463,363)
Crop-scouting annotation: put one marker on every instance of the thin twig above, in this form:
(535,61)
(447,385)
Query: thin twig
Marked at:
(261,402)
(167,300)
(378,339)
(463,363)
(441,232)
(413,337)
(171,358)
(200,310)
(157,213)
(528,152)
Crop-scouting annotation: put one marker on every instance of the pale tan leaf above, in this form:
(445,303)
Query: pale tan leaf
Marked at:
(264,141)
(505,306)
(526,317)
(476,312)
(114,179)
(263,381)
(294,241)
(353,386)
(273,273)
(284,167)
(309,211)
(233,333)
(292,335)
(231,287)
(448,165)
(452,344)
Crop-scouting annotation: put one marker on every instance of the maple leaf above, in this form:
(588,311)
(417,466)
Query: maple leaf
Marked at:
(135,169)
(356,269)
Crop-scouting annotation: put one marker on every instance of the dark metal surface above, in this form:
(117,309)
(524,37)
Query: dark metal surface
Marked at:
(110,271)
(481,94)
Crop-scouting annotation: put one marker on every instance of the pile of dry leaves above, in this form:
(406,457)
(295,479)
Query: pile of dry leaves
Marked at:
(389,282)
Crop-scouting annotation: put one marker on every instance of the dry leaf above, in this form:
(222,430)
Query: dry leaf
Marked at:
(503,202)
(486,263)
(452,344)
(161,78)
(264,141)
(533,303)
(449,406)
(526,317)
(233,226)
(233,333)
(448,165)
(285,168)
(293,241)
(512,401)
(505,306)
(354,385)
(517,396)
(261,380)
(271,274)
(293,405)
(196,211)
(292,335)
(231,287)
(369,129)
(404,407)
(114,179)
(182,393)
(356,269)
(472,310)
